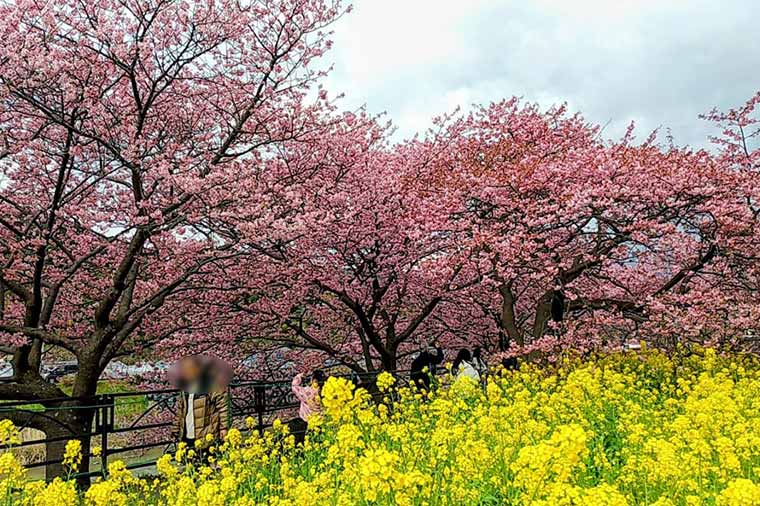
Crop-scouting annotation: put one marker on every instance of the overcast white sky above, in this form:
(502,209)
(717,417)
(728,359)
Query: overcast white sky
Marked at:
(660,63)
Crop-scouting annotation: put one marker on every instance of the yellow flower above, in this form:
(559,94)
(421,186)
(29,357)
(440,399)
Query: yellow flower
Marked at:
(105,493)
(72,457)
(337,397)
(234,438)
(164,466)
(9,434)
(740,492)
(56,493)
(385,381)
(11,470)
(181,451)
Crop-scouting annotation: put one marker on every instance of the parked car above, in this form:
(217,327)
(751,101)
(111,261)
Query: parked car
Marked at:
(55,371)
(6,370)
(120,370)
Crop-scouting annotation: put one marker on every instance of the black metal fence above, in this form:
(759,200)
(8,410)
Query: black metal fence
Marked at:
(135,426)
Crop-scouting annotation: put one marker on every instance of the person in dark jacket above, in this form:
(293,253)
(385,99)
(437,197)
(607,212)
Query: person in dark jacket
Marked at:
(423,367)
(510,364)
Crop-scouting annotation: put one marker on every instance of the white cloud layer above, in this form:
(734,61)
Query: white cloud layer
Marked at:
(659,63)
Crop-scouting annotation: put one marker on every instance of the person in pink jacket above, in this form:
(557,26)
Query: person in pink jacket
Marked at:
(310,401)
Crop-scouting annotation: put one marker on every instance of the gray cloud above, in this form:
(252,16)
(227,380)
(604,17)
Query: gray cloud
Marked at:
(659,63)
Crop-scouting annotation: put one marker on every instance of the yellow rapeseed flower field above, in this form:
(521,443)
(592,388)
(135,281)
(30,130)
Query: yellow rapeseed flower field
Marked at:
(620,429)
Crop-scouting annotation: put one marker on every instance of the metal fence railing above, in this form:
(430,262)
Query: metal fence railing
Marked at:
(135,426)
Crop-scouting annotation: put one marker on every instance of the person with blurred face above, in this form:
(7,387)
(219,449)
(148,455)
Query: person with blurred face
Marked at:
(202,404)
(310,401)
(309,395)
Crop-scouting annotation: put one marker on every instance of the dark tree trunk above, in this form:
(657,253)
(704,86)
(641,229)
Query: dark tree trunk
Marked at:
(508,331)
(558,306)
(70,420)
(389,360)
(543,314)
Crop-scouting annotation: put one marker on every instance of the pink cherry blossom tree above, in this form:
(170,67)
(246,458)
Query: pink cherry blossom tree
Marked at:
(738,146)
(380,258)
(133,134)
(589,241)
(248,308)
(518,229)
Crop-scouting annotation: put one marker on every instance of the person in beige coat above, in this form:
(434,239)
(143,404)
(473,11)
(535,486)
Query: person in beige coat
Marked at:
(201,406)
(208,417)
